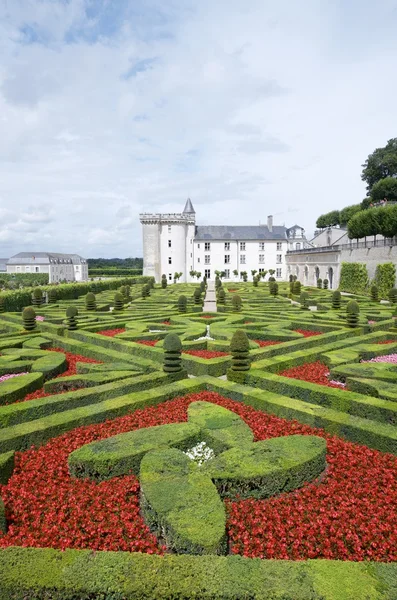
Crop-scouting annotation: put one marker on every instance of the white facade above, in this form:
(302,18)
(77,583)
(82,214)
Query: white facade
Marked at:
(59,267)
(172,243)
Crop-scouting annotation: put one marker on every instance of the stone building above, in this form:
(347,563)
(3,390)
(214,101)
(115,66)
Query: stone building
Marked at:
(60,267)
(174,243)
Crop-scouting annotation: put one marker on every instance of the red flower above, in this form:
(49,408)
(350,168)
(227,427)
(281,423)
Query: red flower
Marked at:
(315,372)
(263,343)
(205,353)
(111,332)
(147,342)
(307,333)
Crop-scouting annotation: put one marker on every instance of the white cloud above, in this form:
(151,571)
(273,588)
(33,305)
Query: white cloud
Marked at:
(108,109)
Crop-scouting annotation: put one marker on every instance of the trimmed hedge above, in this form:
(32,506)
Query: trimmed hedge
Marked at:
(18,387)
(353,278)
(6,466)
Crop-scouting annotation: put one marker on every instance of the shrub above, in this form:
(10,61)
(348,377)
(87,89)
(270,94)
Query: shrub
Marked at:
(146,291)
(392,296)
(336,300)
(29,318)
(255,281)
(325,284)
(172,353)
(273,288)
(297,288)
(71,318)
(182,304)
(2,304)
(218,282)
(236,303)
(52,296)
(291,278)
(352,313)
(385,278)
(164,282)
(197,296)
(353,278)
(90,301)
(374,293)
(271,279)
(37,297)
(221,296)
(118,301)
(203,286)
(319,283)
(151,283)
(304,300)
(239,348)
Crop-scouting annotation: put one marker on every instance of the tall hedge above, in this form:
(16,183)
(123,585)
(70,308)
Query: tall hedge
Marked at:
(385,278)
(353,278)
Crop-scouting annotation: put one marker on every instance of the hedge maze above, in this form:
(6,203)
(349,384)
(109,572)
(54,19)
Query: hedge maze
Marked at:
(199,416)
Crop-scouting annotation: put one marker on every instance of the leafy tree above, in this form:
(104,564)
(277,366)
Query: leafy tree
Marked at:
(328,220)
(348,212)
(177,276)
(235,272)
(380,164)
(253,272)
(198,275)
(385,188)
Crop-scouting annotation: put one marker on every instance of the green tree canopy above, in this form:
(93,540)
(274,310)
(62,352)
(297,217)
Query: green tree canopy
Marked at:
(380,164)
(348,212)
(385,188)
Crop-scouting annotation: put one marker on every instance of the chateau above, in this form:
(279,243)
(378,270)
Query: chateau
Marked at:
(173,243)
(60,267)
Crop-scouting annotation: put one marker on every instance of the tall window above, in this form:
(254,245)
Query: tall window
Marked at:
(169,276)
(261,245)
(278,272)
(207,273)
(242,245)
(227,259)
(298,246)
(261,258)
(227,273)
(279,245)
(227,245)
(261,270)
(169,243)
(27,268)
(169,228)
(169,260)
(207,259)
(278,258)
(18,269)
(198,246)
(207,246)
(37,269)
(242,259)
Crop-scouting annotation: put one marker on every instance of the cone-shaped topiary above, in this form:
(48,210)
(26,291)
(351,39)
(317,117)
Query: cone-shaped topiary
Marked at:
(197,296)
(239,348)
(291,287)
(164,281)
(273,288)
(325,284)
(352,313)
(52,296)
(291,278)
(145,291)
(221,296)
(90,301)
(236,303)
(255,281)
(319,283)
(123,292)
(118,301)
(172,353)
(304,300)
(374,293)
(297,288)
(37,297)
(336,300)
(393,295)
(218,282)
(151,283)
(2,304)
(182,304)
(29,318)
(271,279)
(203,286)
(71,318)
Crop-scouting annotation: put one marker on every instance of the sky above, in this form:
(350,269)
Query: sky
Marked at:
(110,108)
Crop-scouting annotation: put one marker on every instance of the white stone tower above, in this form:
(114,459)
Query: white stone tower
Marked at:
(168,243)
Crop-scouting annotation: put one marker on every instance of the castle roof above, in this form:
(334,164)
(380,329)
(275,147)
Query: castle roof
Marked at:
(189,207)
(44,258)
(240,232)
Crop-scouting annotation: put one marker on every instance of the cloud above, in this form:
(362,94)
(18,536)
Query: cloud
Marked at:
(109,109)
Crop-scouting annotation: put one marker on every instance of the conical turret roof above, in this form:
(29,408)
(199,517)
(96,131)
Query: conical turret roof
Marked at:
(189,207)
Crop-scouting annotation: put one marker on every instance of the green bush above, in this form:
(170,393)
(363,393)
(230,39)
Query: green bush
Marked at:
(164,282)
(37,297)
(182,304)
(172,353)
(71,318)
(118,302)
(255,281)
(297,288)
(352,313)
(325,284)
(236,303)
(336,300)
(319,283)
(374,293)
(146,291)
(197,297)
(221,296)
(273,288)
(52,296)
(2,304)
(239,348)
(353,278)
(385,278)
(90,301)
(392,296)
(304,300)
(29,318)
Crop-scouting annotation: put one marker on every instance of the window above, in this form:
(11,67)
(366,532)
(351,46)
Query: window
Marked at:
(169,276)
(37,269)
(278,272)
(261,258)
(198,246)
(207,246)
(227,273)
(227,259)
(261,245)
(227,245)
(207,273)
(298,246)
(207,259)
(279,245)
(169,243)
(18,269)
(242,259)
(169,228)
(278,258)
(242,245)
(198,260)
(261,270)
(27,269)
(169,260)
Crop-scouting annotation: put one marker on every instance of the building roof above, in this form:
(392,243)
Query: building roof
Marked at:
(43,258)
(189,207)
(240,232)
(3,265)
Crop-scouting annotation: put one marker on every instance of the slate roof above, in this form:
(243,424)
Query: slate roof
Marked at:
(240,232)
(43,258)
(189,208)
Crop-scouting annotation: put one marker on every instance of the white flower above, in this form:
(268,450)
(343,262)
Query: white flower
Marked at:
(200,453)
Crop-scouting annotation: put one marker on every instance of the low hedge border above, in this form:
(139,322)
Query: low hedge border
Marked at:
(47,574)
(6,466)
(73,382)
(17,387)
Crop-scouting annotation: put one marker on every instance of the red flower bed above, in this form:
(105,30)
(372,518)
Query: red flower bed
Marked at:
(111,332)
(207,316)
(346,516)
(388,342)
(232,290)
(147,342)
(315,372)
(307,333)
(206,353)
(263,343)
(247,322)
(166,322)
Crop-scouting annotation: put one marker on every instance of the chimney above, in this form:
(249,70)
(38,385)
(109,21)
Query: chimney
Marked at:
(270,223)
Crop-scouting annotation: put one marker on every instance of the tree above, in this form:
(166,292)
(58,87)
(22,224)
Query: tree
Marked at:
(380,164)
(385,189)
(328,220)
(192,273)
(348,212)
(253,272)
(198,275)
(177,276)
(235,272)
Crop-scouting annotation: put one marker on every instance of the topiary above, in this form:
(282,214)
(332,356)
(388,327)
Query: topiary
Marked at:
(29,318)
(325,284)
(319,283)
(255,281)
(291,278)
(239,348)
(236,303)
(71,318)
(118,302)
(37,297)
(2,304)
(291,287)
(52,296)
(127,292)
(271,279)
(151,283)
(221,296)
(218,282)
(203,286)
(145,291)
(393,295)
(352,313)
(374,293)
(90,301)
(273,288)
(304,300)
(197,296)
(182,304)
(123,292)
(297,288)
(172,353)
(164,281)
(336,300)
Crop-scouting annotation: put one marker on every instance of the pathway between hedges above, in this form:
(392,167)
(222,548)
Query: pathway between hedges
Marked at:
(210,298)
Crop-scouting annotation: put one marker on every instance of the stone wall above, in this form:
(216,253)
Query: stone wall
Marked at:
(371,257)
